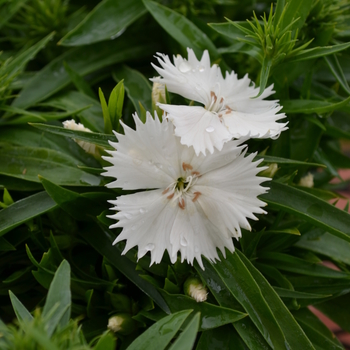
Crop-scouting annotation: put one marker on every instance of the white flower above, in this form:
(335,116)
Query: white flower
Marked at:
(86,146)
(230,109)
(194,204)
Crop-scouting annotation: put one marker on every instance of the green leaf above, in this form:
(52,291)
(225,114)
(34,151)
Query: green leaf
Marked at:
(95,138)
(6,12)
(137,87)
(316,331)
(101,240)
(212,316)
(311,106)
(24,210)
(79,81)
(115,104)
(181,29)
(294,9)
(222,338)
(92,117)
(5,246)
(336,69)
(279,160)
(159,335)
(58,299)
(326,244)
(23,315)
(83,60)
(287,293)
(105,111)
(186,339)
(316,52)
(262,303)
(337,310)
(78,206)
(245,327)
(293,264)
(106,342)
(106,21)
(309,208)
(264,74)
(17,64)
(28,162)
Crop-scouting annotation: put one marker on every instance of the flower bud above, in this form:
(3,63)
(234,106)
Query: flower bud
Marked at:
(158,96)
(122,324)
(307,180)
(86,146)
(270,171)
(194,288)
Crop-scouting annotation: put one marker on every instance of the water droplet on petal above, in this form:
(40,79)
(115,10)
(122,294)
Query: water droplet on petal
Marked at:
(134,227)
(184,67)
(149,247)
(142,211)
(201,69)
(158,165)
(128,215)
(183,241)
(198,87)
(209,129)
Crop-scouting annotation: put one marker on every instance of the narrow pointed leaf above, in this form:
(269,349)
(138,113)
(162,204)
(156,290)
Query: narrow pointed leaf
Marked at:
(310,208)
(95,138)
(181,29)
(59,294)
(160,334)
(106,21)
(187,338)
(337,71)
(24,210)
(23,315)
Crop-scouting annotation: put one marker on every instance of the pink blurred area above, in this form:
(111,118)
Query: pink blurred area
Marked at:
(344,337)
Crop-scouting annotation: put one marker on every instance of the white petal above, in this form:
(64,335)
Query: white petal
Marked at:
(146,218)
(197,127)
(192,79)
(256,125)
(146,158)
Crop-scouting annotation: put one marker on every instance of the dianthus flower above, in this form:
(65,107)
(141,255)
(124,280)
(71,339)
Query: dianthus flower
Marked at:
(229,108)
(192,204)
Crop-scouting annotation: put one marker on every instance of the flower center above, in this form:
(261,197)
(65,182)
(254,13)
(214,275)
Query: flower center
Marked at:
(182,189)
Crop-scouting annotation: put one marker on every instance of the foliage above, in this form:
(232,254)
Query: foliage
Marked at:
(62,60)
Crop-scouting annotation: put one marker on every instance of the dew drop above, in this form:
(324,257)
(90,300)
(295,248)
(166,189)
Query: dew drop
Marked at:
(201,69)
(183,241)
(128,215)
(184,67)
(149,247)
(142,211)
(198,87)
(134,227)
(209,129)
(158,165)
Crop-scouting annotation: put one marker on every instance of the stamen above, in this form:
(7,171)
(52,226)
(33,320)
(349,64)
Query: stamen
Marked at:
(182,203)
(195,173)
(165,191)
(186,166)
(196,195)
(171,195)
(213,95)
(221,100)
